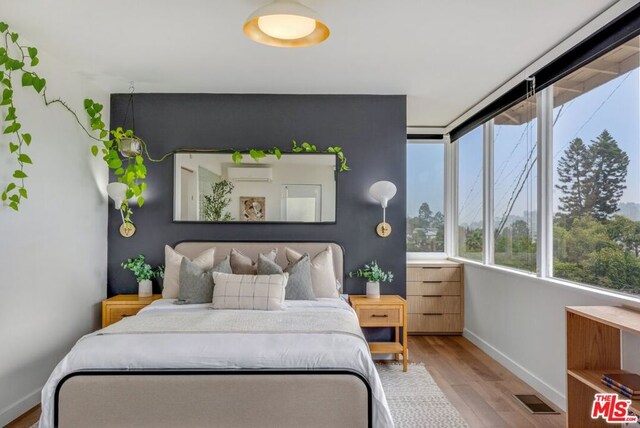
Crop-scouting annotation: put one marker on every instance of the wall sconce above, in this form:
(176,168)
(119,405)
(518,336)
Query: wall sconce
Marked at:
(383,192)
(118,192)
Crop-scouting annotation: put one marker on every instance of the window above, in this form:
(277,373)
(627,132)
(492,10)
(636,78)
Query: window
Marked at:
(470,239)
(514,186)
(425,196)
(596,199)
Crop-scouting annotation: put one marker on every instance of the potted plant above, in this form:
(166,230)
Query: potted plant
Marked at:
(144,274)
(374,275)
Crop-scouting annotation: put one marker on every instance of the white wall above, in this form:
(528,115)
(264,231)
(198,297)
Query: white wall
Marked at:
(520,321)
(53,253)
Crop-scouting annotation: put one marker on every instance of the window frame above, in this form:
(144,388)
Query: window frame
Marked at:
(415,256)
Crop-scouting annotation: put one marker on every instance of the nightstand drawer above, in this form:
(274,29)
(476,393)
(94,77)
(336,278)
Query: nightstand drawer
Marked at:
(434,304)
(435,323)
(371,316)
(115,313)
(433,273)
(434,289)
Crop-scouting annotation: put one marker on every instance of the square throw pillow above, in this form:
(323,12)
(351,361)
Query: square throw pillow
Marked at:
(299,286)
(196,284)
(255,292)
(172,261)
(243,265)
(323,276)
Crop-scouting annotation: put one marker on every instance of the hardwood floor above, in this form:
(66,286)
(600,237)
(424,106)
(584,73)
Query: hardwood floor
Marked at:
(27,419)
(479,387)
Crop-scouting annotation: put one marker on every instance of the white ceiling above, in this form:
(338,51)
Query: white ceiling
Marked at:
(446,55)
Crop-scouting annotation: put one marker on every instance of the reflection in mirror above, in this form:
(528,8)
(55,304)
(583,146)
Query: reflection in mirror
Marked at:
(209,187)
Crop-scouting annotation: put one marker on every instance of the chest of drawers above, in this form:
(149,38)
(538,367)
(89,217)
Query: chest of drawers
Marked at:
(435,298)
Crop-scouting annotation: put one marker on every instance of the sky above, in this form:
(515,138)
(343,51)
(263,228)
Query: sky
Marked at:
(614,106)
(425,177)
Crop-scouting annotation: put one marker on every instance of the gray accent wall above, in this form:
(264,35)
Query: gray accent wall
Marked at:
(371,129)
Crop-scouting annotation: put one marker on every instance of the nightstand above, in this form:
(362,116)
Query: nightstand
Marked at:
(387,311)
(123,305)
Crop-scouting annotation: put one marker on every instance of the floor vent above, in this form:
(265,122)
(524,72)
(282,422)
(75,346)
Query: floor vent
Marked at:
(535,405)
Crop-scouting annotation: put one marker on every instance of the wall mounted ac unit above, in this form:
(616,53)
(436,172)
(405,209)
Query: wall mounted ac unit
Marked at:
(250,174)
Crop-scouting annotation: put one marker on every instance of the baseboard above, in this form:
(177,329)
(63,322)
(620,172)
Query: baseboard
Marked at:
(20,407)
(552,394)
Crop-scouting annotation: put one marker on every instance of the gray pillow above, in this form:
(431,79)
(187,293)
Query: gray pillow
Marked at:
(196,284)
(300,286)
(224,266)
(243,265)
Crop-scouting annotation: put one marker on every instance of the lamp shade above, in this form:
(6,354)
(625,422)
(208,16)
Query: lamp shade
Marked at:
(383,192)
(117,192)
(286,24)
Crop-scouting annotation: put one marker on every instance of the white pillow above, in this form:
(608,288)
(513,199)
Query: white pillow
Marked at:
(323,274)
(172,261)
(262,292)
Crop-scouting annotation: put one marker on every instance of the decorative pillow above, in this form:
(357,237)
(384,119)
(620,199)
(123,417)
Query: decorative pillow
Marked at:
(196,284)
(223,266)
(172,261)
(243,265)
(262,292)
(299,286)
(323,276)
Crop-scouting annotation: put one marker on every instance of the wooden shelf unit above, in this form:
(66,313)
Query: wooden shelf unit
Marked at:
(593,349)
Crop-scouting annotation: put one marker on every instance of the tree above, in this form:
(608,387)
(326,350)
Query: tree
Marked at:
(574,169)
(425,214)
(626,233)
(213,205)
(608,176)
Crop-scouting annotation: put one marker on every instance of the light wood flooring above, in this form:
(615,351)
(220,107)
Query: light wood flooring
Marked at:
(479,387)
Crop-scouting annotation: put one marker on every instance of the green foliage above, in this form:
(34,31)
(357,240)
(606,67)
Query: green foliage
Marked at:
(372,272)
(143,270)
(592,178)
(213,205)
(13,59)
(425,233)
(129,170)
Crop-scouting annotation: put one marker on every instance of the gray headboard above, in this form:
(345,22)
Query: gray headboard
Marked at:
(191,249)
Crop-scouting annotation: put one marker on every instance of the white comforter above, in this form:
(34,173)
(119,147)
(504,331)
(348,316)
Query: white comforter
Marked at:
(223,351)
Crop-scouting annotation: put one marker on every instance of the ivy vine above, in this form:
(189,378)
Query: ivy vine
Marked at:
(131,171)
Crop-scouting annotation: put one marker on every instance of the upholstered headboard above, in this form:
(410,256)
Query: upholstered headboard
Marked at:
(191,249)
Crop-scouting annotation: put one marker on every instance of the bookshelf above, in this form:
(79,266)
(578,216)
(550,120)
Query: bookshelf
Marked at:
(593,348)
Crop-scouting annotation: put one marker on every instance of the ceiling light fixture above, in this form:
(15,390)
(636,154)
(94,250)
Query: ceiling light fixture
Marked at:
(286,24)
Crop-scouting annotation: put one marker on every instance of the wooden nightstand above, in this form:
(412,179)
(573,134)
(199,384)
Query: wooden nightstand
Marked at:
(387,311)
(123,305)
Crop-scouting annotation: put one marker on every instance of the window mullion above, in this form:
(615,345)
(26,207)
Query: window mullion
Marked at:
(544,244)
(451,197)
(487,192)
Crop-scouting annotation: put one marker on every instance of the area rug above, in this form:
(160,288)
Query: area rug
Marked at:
(415,400)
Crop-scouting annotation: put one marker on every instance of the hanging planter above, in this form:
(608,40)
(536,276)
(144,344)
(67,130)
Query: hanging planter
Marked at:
(130,147)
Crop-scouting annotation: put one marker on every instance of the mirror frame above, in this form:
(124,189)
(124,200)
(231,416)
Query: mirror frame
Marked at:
(246,153)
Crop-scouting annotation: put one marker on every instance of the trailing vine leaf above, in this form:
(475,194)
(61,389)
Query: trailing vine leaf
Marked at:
(275,151)
(257,154)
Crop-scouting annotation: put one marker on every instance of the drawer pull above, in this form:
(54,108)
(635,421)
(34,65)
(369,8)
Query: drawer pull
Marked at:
(432,267)
(431,282)
(432,295)
(126,315)
(432,313)
(379,316)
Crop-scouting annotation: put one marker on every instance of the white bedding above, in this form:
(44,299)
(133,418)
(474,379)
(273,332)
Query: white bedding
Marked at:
(223,351)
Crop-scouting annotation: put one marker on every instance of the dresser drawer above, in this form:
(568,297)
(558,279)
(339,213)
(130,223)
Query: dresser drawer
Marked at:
(435,323)
(434,288)
(116,312)
(434,304)
(433,273)
(371,316)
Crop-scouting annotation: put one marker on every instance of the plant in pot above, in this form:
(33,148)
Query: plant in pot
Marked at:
(374,276)
(144,274)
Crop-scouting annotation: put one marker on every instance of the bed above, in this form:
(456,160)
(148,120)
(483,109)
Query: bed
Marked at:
(191,366)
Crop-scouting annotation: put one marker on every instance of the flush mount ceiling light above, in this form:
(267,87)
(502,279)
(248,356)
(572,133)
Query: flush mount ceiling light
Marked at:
(286,24)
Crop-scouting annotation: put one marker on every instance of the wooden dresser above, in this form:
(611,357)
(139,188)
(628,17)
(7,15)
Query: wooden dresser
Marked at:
(435,297)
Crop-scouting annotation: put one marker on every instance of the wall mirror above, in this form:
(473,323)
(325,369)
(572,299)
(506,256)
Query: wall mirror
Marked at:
(297,188)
